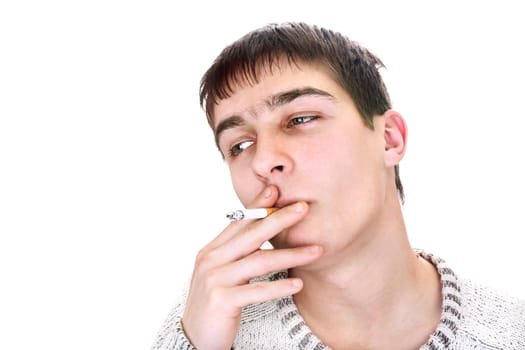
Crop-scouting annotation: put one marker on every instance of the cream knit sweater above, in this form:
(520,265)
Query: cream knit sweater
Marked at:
(472,317)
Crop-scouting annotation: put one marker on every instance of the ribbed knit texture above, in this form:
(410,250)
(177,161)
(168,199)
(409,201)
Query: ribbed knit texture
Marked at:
(472,317)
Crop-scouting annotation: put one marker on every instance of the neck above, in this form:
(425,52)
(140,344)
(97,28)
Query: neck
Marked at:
(373,293)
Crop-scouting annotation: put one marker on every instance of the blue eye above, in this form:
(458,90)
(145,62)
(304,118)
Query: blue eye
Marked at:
(301,120)
(239,148)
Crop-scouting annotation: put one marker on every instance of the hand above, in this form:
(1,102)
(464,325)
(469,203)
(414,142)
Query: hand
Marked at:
(219,288)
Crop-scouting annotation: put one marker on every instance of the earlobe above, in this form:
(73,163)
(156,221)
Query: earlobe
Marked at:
(395,134)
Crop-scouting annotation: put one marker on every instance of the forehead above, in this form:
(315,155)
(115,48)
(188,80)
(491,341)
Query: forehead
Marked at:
(249,97)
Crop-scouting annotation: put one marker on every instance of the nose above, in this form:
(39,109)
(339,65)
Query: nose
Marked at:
(271,158)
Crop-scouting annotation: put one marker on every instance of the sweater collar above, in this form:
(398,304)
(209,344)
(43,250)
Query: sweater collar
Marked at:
(443,336)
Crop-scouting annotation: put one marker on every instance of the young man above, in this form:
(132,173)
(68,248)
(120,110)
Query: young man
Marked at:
(304,121)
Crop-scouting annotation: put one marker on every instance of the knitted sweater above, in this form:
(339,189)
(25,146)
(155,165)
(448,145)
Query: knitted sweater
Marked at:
(472,317)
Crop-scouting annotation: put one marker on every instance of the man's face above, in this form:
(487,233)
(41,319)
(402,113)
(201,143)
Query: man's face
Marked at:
(300,131)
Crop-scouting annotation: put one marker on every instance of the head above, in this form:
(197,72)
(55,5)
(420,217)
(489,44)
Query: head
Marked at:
(353,67)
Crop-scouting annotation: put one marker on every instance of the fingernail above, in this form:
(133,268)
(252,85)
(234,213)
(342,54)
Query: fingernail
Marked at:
(299,207)
(297,282)
(268,192)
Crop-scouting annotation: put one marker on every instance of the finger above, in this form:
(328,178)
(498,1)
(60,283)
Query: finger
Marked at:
(205,257)
(258,292)
(263,262)
(266,198)
(253,236)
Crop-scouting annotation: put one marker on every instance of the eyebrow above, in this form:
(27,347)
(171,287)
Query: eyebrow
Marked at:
(273,102)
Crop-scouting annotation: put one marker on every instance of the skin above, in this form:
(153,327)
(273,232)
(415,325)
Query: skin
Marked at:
(296,141)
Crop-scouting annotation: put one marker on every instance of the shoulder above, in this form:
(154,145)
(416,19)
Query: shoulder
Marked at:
(475,316)
(171,335)
(491,318)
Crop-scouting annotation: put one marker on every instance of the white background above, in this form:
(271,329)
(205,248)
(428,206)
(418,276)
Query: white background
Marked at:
(110,181)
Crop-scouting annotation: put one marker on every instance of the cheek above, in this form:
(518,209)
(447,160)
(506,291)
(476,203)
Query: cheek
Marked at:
(329,153)
(344,162)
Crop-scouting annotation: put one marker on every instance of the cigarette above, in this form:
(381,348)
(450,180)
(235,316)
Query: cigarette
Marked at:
(245,214)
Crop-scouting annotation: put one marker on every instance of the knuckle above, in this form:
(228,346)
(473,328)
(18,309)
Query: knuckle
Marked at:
(216,298)
(201,255)
(249,231)
(210,279)
(263,261)
(203,260)
(259,254)
(257,289)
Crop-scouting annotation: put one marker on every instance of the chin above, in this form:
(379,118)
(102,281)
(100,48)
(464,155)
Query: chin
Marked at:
(298,235)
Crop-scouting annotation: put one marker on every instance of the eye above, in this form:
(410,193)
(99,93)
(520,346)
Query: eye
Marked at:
(301,120)
(239,148)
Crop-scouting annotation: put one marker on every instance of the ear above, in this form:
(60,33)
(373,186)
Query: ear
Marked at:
(395,134)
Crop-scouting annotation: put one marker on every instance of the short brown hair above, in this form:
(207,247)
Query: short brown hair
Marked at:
(353,67)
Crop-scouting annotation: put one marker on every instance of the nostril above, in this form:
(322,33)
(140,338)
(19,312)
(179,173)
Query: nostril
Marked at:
(279,167)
